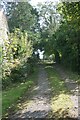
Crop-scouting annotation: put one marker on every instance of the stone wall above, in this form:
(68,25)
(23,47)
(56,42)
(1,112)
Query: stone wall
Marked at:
(3,26)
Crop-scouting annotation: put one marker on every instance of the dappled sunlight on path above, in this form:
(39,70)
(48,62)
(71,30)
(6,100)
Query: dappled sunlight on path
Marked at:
(72,86)
(39,106)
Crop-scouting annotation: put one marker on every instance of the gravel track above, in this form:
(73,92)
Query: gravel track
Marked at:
(74,91)
(40,105)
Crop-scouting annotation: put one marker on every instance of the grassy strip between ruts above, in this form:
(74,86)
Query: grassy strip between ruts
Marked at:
(11,95)
(60,100)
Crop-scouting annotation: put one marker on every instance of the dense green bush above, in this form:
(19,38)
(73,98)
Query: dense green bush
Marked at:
(16,50)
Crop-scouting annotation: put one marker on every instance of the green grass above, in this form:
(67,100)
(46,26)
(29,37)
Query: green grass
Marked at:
(10,96)
(60,101)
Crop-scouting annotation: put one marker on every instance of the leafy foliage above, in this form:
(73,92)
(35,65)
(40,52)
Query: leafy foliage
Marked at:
(22,39)
(17,50)
(52,28)
(21,15)
(67,37)
(61,35)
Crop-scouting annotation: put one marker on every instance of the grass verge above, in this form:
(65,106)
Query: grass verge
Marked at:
(15,92)
(60,100)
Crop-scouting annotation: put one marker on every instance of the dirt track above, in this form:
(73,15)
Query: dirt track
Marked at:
(40,100)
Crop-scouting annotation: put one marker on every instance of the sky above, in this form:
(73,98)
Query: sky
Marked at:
(35,2)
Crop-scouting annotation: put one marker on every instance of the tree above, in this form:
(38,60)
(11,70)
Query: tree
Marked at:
(67,35)
(21,15)
(49,23)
